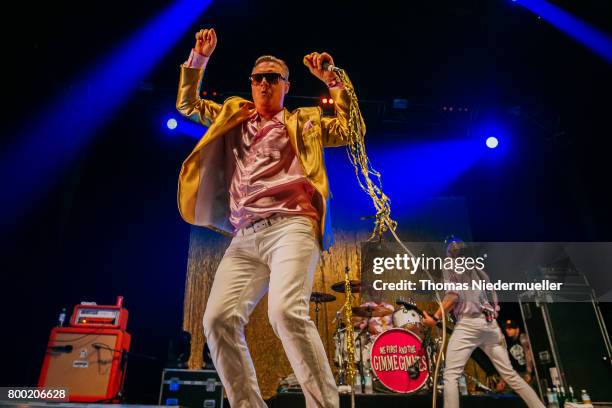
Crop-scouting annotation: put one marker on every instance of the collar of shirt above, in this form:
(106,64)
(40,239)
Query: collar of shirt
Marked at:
(279,117)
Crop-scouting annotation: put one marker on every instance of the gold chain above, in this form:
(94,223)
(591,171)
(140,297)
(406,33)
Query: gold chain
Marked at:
(348,333)
(363,168)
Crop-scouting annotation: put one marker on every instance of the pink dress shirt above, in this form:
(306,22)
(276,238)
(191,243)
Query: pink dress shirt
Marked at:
(267,177)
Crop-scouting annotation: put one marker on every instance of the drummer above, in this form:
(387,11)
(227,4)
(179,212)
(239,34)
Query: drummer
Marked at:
(376,325)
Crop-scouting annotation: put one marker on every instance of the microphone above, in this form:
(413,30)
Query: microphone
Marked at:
(482,386)
(337,317)
(478,383)
(62,349)
(328,67)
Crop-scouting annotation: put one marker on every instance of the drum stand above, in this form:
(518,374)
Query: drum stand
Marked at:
(432,349)
(317,298)
(317,310)
(363,333)
(340,346)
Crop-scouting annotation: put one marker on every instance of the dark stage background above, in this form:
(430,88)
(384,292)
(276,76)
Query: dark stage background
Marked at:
(107,225)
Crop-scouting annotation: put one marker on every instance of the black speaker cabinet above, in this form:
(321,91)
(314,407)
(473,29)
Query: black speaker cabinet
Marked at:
(569,341)
(191,388)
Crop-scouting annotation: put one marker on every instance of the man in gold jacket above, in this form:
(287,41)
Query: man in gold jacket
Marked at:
(258,174)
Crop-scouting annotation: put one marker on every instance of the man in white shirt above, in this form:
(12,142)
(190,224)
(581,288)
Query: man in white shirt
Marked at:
(476,326)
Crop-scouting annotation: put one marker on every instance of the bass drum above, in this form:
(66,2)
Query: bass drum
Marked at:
(399,361)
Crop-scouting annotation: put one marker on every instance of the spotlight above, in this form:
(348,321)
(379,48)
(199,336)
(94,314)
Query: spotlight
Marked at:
(324,101)
(492,142)
(172,124)
(330,101)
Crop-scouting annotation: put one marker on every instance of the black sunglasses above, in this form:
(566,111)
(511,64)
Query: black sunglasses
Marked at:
(271,78)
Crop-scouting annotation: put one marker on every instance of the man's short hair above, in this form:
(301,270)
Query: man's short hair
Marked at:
(271,58)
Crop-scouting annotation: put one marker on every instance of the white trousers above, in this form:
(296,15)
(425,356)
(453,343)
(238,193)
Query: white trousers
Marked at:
(472,332)
(282,258)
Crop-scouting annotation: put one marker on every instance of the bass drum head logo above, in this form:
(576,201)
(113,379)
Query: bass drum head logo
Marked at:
(399,361)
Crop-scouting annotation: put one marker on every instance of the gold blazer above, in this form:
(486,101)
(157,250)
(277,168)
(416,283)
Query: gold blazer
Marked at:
(203,197)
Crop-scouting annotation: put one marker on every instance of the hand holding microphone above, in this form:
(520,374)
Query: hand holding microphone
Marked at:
(322,66)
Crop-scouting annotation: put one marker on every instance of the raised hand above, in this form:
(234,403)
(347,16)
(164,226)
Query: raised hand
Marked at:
(314,62)
(206,41)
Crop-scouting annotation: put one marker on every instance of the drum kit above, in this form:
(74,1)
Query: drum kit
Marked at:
(391,344)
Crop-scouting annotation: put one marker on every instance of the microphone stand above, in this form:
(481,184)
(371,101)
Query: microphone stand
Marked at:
(363,332)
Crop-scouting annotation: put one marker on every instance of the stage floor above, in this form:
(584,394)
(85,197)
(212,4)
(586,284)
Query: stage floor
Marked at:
(293,400)
(296,399)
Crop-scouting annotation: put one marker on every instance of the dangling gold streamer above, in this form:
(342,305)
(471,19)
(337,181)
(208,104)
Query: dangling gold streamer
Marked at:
(348,334)
(363,168)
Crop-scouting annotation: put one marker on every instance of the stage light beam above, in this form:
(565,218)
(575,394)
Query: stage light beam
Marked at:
(46,147)
(595,40)
(184,126)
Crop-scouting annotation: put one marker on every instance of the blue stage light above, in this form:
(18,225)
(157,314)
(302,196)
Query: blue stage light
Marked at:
(594,39)
(90,103)
(492,142)
(172,124)
(183,126)
(412,173)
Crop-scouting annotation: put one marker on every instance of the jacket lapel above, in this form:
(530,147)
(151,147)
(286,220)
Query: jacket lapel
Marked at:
(235,113)
(291,123)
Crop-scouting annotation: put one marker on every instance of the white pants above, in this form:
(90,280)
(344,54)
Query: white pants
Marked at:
(282,257)
(472,332)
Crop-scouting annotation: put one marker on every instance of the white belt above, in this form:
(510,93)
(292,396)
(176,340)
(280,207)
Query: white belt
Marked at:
(260,225)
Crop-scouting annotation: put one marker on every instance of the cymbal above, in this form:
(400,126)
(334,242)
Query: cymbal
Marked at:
(371,311)
(339,286)
(320,297)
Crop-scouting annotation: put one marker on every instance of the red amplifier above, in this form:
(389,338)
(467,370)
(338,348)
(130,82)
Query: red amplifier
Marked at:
(100,316)
(89,362)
